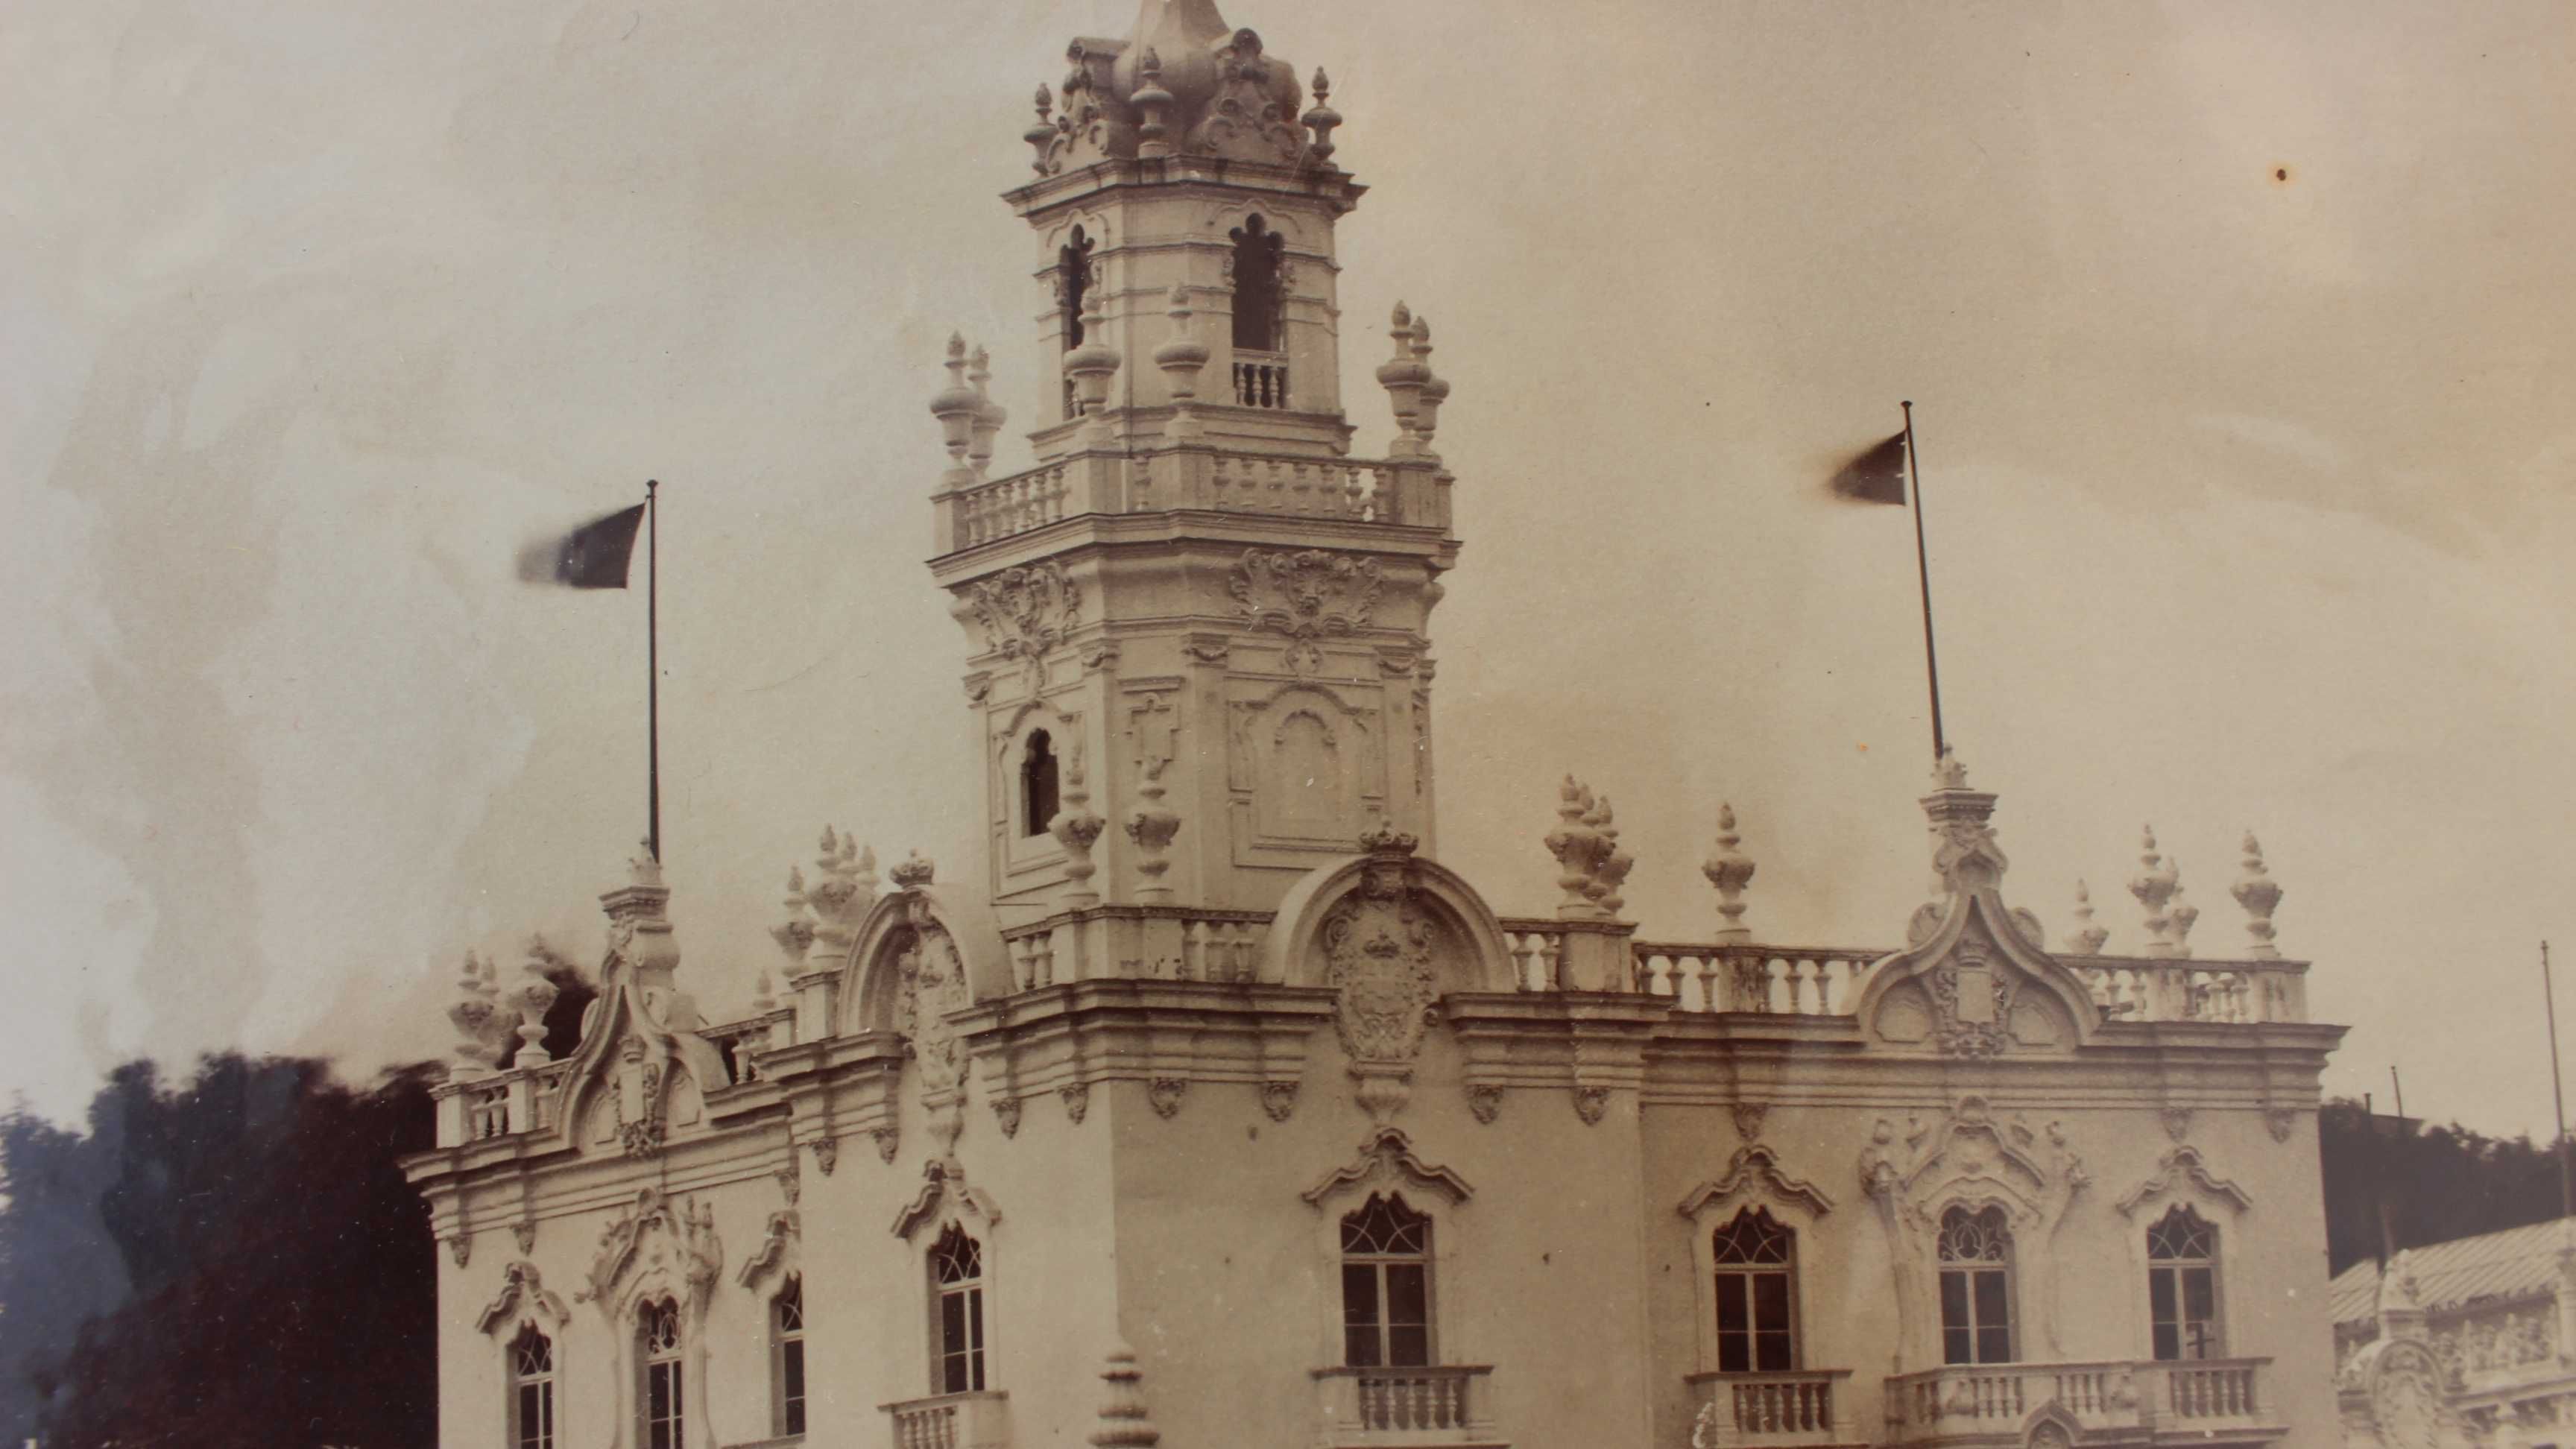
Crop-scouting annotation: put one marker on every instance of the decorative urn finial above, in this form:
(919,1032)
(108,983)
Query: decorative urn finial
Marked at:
(989,414)
(2154,887)
(1403,376)
(913,872)
(1579,848)
(1151,102)
(1435,388)
(2260,895)
(1320,121)
(2087,938)
(1091,365)
(956,406)
(1730,870)
(1180,358)
(1077,828)
(533,998)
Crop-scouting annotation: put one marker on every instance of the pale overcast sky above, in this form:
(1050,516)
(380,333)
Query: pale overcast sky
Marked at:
(2250,496)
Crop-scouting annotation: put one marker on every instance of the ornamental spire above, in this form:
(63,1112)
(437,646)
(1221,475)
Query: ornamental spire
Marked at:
(2154,887)
(2260,895)
(1730,870)
(2087,939)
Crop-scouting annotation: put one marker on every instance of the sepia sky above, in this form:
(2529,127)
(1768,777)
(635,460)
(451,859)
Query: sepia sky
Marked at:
(2250,496)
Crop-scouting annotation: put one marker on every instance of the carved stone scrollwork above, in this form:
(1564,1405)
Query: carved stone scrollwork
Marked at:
(2280,1122)
(1972,1000)
(1387,1153)
(1970,1156)
(888,1140)
(1077,1101)
(1026,611)
(1165,1094)
(1748,1120)
(827,1154)
(524,1233)
(1279,1099)
(1486,1101)
(460,1248)
(1378,952)
(1591,1104)
(2177,1122)
(521,1289)
(1308,595)
(1006,1113)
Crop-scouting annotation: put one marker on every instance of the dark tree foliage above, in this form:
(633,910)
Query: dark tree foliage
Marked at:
(233,1261)
(2435,1183)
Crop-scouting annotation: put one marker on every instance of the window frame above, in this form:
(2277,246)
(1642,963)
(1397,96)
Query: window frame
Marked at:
(1258,240)
(1028,771)
(2177,1267)
(1969,1271)
(788,1417)
(670,1365)
(1723,1272)
(1380,1267)
(520,1381)
(974,1317)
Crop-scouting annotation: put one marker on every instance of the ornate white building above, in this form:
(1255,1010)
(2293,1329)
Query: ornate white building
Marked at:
(1209,1056)
(2466,1343)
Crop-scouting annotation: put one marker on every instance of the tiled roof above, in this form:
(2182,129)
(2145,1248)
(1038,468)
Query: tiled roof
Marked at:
(2514,1263)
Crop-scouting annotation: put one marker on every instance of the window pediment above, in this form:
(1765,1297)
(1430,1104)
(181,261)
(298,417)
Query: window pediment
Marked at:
(1754,1173)
(521,1285)
(2180,1176)
(1387,1156)
(943,1186)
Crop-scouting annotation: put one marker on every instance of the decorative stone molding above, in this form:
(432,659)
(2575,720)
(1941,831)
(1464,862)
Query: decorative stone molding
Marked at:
(775,1240)
(1307,595)
(1388,1154)
(889,1140)
(1377,946)
(2177,1122)
(1754,1171)
(827,1154)
(1748,1119)
(521,1288)
(640,1041)
(2087,939)
(1485,1100)
(651,1226)
(1026,611)
(943,1188)
(524,1233)
(2280,1122)
(2260,895)
(1006,1114)
(1279,1099)
(791,1183)
(1077,1101)
(1591,1104)
(2180,1174)
(1124,1421)
(1165,1094)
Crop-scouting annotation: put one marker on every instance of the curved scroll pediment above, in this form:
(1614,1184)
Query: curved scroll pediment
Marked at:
(1976,985)
(1294,953)
(1753,1173)
(1388,1155)
(521,1288)
(948,921)
(2183,1175)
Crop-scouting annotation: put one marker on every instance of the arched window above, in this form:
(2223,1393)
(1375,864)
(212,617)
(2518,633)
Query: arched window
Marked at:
(2182,1285)
(532,1389)
(1257,299)
(787,1353)
(1386,1285)
(1976,1286)
(659,1335)
(1073,284)
(1038,784)
(957,1287)
(1756,1268)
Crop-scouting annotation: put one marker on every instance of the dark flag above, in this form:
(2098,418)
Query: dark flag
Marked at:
(1877,476)
(593,556)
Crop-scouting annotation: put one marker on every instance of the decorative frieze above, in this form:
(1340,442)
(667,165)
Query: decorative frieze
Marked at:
(1306,594)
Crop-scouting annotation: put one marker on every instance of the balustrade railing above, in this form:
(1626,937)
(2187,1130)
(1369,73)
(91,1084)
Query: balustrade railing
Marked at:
(1214,946)
(1538,951)
(739,1040)
(1395,1406)
(1763,980)
(1405,491)
(978,1420)
(1765,1409)
(487,1111)
(1261,380)
(2189,1398)
(2145,988)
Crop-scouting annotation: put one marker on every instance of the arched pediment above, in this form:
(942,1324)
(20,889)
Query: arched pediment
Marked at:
(1976,984)
(1753,1176)
(1294,954)
(938,921)
(2181,1176)
(1387,1157)
(522,1291)
(640,1053)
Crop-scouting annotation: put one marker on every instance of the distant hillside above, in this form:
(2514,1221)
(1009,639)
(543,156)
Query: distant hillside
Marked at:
(2438,1183)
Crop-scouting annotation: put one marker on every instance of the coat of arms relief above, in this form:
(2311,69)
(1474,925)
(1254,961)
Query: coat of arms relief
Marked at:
(1379,947)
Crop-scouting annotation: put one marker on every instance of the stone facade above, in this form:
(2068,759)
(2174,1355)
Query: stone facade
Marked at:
(2465,1343)
(1210,1072)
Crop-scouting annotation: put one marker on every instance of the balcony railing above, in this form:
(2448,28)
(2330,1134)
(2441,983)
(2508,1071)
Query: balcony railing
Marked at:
(1762,980)
(1406,491)
(2186,1400)
(1367,1407)
(980,1420)
(1261,379)
(1812,1407)
(499,1104)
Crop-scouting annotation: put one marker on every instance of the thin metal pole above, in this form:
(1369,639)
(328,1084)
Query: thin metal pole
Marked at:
(2399,1088)
(2557,1090)
(1923,576)
(653,669)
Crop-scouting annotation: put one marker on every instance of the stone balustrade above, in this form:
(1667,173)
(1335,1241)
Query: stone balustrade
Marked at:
(2191,1399)
(979,1420)
(1261,380)
(1202,945)
(740,1041)
(1438,1404)
(499,1104)
(2147,988)
(1411,491)
(1761,980)
(1810,1407)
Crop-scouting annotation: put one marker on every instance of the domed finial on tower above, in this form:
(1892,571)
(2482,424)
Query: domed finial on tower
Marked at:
(1730,870)
(1180,359)
(1403,376)
(956,407)
(2087,939)
(2260,895)
(989,415)
(1151,101)
(1320,121)
(2154,888)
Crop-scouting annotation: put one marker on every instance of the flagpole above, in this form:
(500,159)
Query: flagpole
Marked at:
(1923,576)
(2566,1167)
(653,671)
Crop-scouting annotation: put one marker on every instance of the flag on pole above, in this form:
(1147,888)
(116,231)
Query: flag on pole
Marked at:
(1877,476)
(593,556)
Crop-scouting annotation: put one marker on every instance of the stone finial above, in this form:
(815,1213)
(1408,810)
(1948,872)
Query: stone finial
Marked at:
(2154,887)
(2181,915)
(1579,849)
(2260,895)
(1077,828)
(534,996)
(1124,1421)
(1320,121)
(1948,773)
(1615,863)
(1091,365)
(956,405)
(1180,358)
(989,414)
(1382,838)
(1403,376)
(1151,102)
(1041,136)
(795,931)
(1730,870)
(1151,828)
(2087,939)
(913,872)
(476,1016)
(1435,388)
(835,896)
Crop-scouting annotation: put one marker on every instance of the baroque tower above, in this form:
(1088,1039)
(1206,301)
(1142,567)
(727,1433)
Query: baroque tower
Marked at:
(1198,657)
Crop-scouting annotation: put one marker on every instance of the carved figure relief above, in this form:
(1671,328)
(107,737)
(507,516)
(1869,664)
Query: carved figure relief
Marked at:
(1026,611)
(934,984)
(1308,595)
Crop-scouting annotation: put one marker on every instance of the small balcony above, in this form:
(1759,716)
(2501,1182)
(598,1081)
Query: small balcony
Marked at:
(1775,1410)
(980,1420)
(2196,1400)
(1366,1408)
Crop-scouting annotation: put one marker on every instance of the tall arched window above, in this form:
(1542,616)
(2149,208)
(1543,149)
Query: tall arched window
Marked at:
(1038,784)
(658,1336)
(957,1327)
(2182,1285)
(1976,1286)
(1386,1285)
(787,1353)
(1756,1268)
(1257,294)
(532,1389)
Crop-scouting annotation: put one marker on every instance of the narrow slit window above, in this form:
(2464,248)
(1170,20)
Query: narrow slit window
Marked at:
(1039,784)
(660,1339)
(787,1337)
